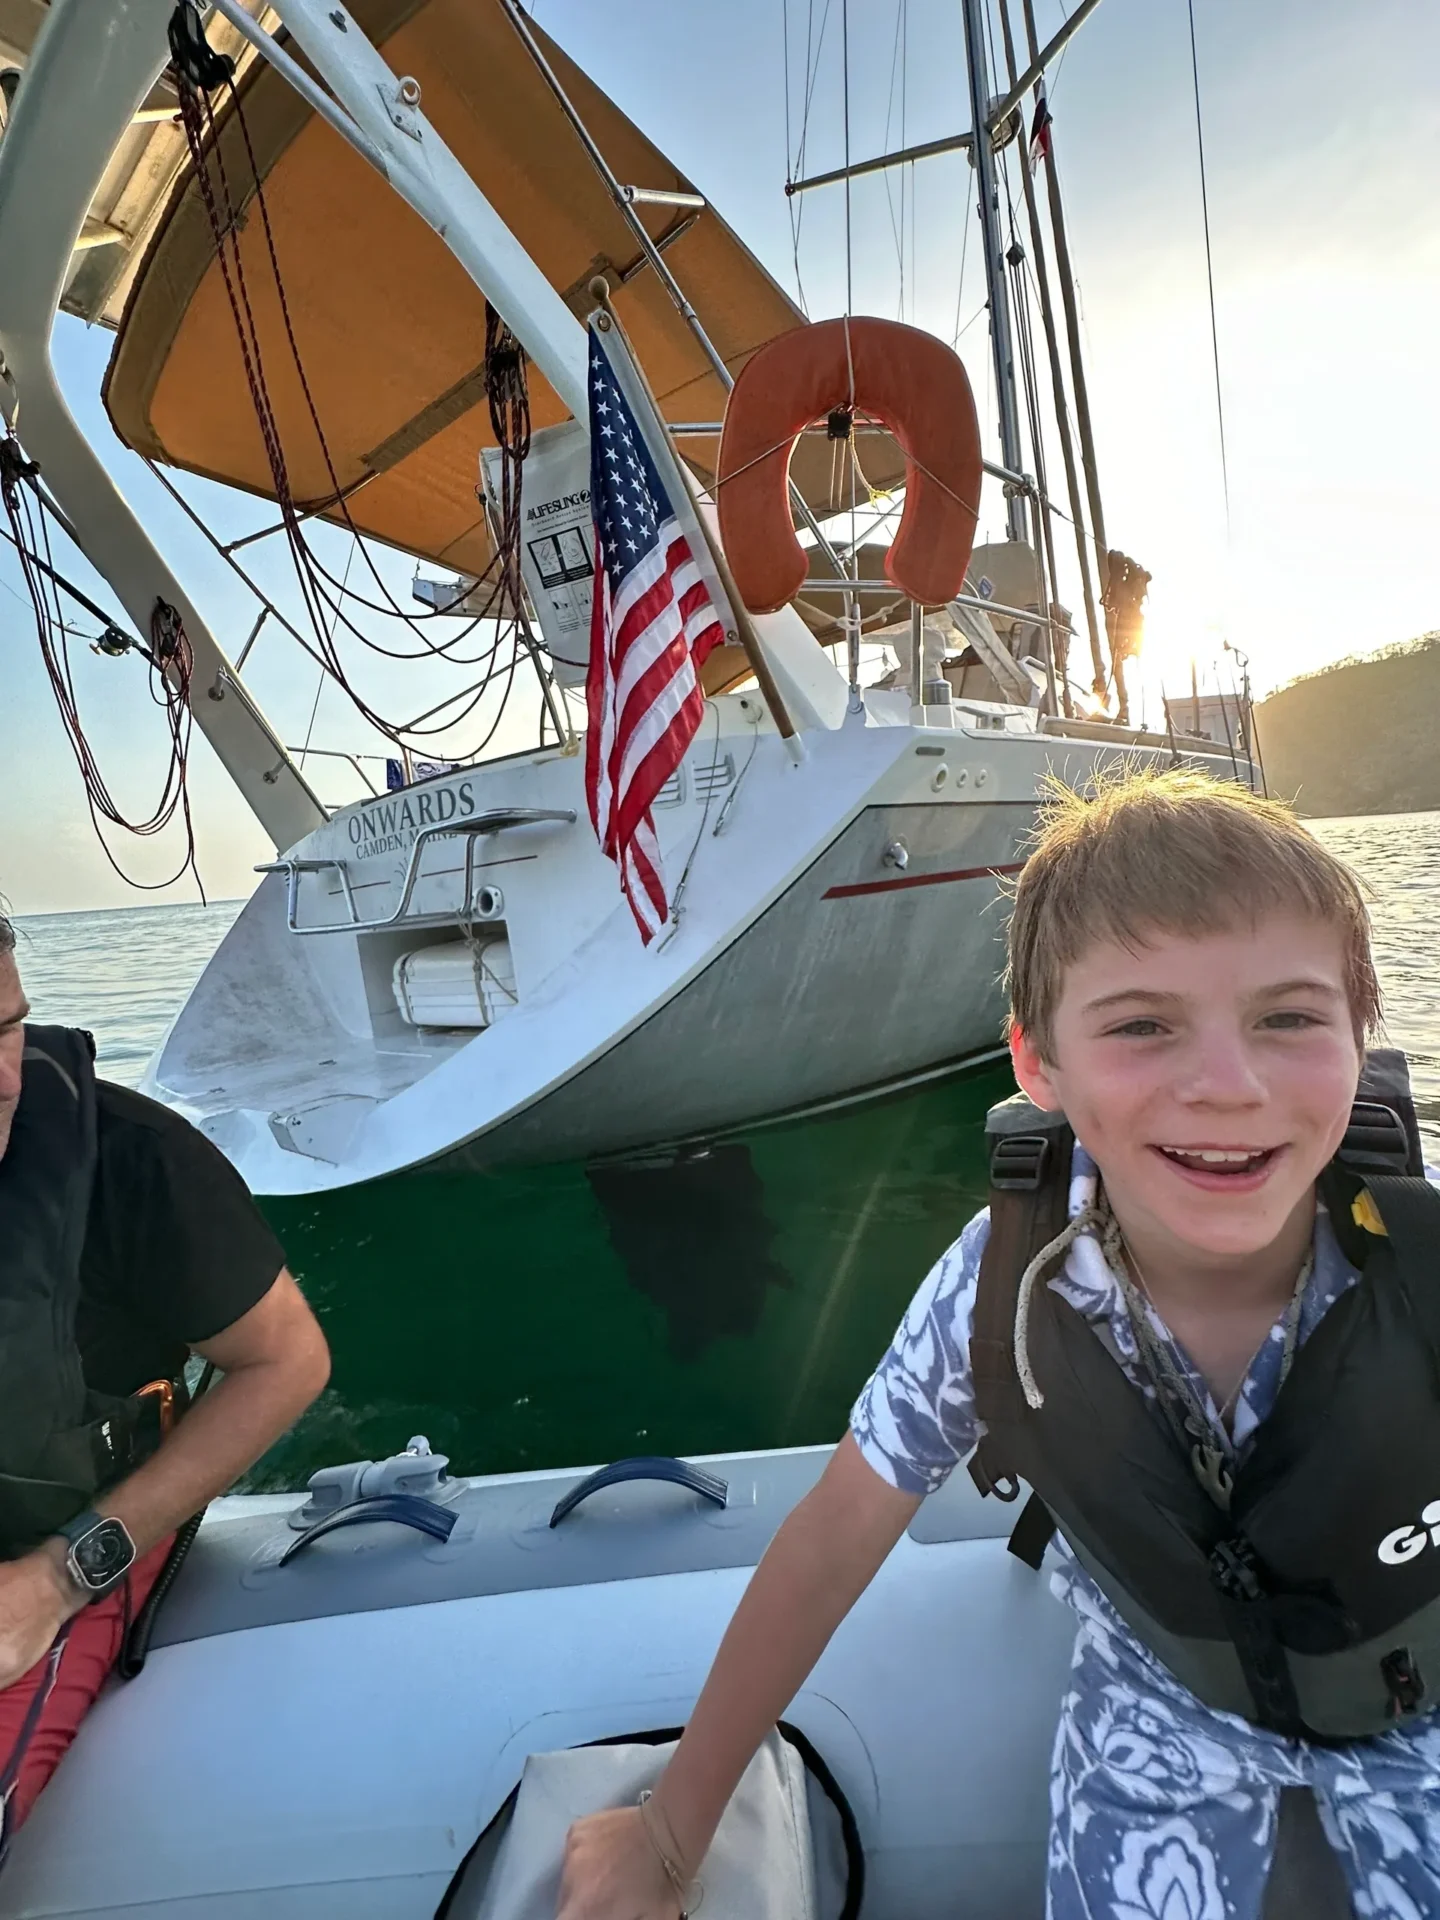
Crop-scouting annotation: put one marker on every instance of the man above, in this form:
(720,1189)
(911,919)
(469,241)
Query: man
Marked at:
(127,1242)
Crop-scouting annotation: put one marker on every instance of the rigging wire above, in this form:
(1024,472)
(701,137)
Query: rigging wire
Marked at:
(1209,269)
(169,657)
(814,45)
(320,683)
(1058,637)
(313,578)
(845,91)
(899,62)
(1052,83)
(790,198)
(274,612)
(960,287)
(225,233)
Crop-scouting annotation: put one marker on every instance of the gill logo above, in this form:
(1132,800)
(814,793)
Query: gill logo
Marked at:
(1405,1542)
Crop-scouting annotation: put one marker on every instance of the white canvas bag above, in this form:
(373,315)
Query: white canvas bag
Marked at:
(760,1865)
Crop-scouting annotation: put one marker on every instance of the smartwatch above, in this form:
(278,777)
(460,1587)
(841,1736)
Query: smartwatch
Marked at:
(100,1554)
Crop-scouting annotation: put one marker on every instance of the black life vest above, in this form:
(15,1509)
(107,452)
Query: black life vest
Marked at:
(60,1444)
(1312,1606)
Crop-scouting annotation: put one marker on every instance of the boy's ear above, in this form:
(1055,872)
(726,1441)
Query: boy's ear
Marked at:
(1031,1073)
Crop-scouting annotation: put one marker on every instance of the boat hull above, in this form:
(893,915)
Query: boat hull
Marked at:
(840,934)
(858,977)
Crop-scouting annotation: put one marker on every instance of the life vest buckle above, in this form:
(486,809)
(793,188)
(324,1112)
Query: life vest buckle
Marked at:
(1404,1681)
(1375,1140)
(1235,1570)
(1018,1162)
(1003,1485)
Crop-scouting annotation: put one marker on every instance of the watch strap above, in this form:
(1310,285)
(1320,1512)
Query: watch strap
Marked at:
(83,1523)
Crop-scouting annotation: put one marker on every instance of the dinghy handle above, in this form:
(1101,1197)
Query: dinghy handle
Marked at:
(650,1466)
(405,1509)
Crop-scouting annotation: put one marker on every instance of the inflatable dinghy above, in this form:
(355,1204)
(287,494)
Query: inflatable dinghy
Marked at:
(331,1715)
(343,1690)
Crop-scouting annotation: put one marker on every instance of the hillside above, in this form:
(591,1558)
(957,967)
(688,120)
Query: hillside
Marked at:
(1359,737)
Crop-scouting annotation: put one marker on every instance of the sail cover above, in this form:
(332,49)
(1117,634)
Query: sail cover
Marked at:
(390,329)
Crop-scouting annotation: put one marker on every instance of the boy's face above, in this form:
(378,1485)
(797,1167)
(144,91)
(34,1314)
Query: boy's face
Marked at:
(1235,1045)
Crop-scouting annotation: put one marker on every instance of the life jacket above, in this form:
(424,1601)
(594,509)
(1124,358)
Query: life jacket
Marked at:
(1311,1606)
(61,1445)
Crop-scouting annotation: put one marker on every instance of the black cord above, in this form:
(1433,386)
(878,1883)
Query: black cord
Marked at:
(135,1648)
(112,631)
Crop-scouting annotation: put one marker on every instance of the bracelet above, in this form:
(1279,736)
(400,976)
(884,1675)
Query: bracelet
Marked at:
(689,1899)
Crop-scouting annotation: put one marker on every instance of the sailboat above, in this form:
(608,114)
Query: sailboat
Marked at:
(445,974)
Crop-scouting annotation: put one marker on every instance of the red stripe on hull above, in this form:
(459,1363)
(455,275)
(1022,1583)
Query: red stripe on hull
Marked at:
(918,880)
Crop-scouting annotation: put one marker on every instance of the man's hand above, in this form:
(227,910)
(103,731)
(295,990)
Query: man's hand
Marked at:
(37,1597)
(612,1871)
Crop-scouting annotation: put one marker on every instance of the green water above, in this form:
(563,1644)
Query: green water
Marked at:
(744,1307)
(556,1317)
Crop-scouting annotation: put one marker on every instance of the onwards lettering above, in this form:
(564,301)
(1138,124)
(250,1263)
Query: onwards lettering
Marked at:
(390,825)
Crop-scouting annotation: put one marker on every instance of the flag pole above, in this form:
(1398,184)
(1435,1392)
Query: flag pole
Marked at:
(744,627)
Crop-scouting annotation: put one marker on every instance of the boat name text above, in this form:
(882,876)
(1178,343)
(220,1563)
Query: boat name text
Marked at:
(389,826)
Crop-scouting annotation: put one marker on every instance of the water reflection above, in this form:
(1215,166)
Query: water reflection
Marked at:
(1398,858)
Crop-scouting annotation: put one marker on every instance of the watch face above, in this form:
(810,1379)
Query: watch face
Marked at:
(103,1553)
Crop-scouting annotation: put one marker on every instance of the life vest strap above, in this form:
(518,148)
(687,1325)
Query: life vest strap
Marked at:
(1032,1532)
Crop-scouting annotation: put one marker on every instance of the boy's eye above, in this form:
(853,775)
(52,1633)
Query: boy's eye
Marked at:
(1142,1027)
(1291,1019)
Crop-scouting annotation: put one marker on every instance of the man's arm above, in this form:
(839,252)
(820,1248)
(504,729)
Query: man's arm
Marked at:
(813,1572)
(274,1362)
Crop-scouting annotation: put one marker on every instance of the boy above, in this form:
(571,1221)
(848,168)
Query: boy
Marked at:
(1191,985)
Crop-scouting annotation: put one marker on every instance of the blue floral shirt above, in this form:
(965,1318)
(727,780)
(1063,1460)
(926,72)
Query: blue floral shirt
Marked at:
(915,1421)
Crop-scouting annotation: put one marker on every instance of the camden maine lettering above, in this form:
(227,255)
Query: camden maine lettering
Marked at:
(391,825)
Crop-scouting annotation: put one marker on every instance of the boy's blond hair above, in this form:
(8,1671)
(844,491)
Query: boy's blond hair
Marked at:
(1169,851)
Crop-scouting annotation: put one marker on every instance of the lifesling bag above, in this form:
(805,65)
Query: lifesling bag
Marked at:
(60,1443)
(1311,1606)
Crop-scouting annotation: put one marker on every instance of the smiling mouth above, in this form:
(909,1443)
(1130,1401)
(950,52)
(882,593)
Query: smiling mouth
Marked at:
(1231,1162)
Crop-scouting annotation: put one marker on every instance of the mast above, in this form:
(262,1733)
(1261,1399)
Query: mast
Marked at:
(1001,337)
(1077,365)
(1057,377)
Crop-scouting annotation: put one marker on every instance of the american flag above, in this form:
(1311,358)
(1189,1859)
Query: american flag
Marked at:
(1040,125)
(652,622)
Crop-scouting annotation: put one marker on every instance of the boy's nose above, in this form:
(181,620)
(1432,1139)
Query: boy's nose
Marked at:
(1221,1072)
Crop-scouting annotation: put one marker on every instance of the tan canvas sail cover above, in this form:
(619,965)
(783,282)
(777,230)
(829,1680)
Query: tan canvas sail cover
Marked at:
(390,328)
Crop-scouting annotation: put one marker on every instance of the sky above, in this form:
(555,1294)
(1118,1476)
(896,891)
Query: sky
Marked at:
(1322,136)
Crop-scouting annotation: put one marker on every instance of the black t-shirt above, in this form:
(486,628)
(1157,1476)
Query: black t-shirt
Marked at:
(176,1250)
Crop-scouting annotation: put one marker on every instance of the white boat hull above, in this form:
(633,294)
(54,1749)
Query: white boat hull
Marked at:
(841,935)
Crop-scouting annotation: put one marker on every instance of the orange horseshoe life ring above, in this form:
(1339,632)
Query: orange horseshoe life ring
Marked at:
(907,379)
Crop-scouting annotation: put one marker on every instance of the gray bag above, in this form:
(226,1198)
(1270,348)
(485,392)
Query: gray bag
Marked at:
(781,1851)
